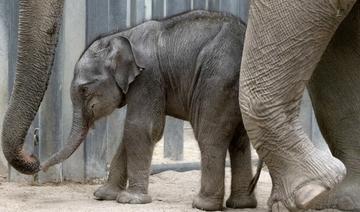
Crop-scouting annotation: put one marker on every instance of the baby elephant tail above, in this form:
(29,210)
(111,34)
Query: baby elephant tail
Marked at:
(254,181)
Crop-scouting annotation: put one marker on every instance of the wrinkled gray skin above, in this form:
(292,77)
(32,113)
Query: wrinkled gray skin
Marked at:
(288,44)
(186,66)
(36,48)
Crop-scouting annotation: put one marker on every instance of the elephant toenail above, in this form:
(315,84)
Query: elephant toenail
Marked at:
(345,203)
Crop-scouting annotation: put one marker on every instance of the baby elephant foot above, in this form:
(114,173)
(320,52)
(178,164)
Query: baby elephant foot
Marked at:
(207,204)
(241,201)
(107,192)
(127,197)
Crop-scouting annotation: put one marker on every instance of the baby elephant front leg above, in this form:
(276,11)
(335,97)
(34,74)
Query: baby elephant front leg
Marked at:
(139,151)
(117,177)
(143,128)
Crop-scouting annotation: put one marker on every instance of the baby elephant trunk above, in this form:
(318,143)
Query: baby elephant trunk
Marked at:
(77,135)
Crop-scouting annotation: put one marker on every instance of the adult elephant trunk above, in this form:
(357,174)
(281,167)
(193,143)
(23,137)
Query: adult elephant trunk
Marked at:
(79,130)
(39,23)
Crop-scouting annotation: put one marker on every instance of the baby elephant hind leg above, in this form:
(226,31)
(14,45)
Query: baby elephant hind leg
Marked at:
(241,172)
(284,42)
(211,195)
(214,127)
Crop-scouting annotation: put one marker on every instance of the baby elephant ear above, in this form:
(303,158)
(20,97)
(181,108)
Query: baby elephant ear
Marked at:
(124,60)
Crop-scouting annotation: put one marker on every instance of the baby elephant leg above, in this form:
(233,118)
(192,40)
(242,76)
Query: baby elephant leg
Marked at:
(117,177)
(241,172)
(143,128)
(139,152)
(211,195)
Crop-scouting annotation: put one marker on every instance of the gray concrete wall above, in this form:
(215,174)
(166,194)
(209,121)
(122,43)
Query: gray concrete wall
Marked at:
(3,72)
(71,45)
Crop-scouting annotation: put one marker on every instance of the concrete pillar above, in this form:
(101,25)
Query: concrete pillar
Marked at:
(174,128)
(72,44)
(4,40)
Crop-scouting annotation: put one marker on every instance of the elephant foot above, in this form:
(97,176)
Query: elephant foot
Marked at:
(207,204)
(241,201)
(280,207)
(345,196)
(127,197)
(107,192)
(302,176)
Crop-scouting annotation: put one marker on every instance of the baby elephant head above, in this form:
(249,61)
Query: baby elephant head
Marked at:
(102,78)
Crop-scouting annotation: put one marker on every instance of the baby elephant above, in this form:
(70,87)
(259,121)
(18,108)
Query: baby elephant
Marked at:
(186,66)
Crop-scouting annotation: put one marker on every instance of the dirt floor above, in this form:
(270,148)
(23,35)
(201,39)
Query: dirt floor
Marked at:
(171,191)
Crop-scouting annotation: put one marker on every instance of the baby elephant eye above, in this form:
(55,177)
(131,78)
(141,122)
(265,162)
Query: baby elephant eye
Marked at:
(87,88)
(83,90)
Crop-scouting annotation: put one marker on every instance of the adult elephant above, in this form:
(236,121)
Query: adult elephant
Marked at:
(285,41)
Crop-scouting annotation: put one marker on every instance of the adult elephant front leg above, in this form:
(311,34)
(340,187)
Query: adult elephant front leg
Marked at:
(117,179)
(334,90)
(144,126)
(284,42)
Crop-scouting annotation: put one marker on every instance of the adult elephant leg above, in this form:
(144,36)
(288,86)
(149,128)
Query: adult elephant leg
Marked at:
(241,172)
(117,177)
(284,42)
(334,90)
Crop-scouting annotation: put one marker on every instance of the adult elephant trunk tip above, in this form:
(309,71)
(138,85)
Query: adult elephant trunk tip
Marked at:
(21,161)
(39,23)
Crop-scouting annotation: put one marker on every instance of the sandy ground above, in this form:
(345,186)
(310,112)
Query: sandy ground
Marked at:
(171,191)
